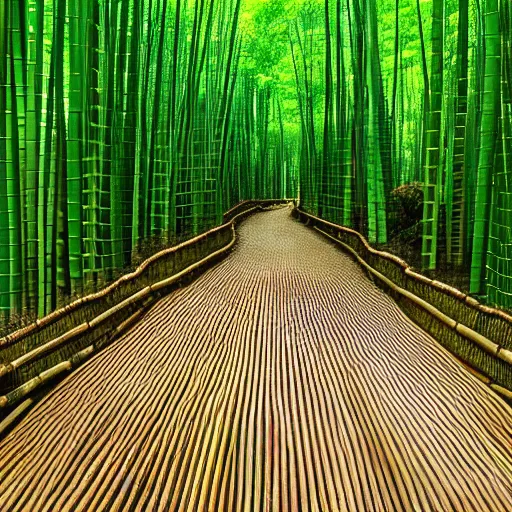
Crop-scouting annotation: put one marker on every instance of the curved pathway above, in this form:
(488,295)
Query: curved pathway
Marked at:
(282,379)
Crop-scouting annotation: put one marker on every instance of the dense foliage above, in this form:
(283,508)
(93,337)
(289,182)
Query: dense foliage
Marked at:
(121,120)
(126,120)
(397,92)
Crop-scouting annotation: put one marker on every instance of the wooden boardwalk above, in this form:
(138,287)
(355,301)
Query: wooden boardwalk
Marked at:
(282,379)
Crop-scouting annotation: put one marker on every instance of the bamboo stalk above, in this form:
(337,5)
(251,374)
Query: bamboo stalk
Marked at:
(15,415)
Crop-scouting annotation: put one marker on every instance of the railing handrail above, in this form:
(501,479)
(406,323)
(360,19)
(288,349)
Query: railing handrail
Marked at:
(442,287)
(487,332)
(59,313)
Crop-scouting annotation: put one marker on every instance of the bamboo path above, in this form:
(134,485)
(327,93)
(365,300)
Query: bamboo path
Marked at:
(282,379)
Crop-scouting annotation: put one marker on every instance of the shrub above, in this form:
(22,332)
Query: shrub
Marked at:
(407,207)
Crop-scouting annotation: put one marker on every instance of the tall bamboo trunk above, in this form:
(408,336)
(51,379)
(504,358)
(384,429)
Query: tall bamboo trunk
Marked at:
(488,140)
(433,168)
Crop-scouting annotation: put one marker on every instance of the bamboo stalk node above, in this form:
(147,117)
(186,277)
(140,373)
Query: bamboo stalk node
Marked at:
(5,369)
(82,355)
(505,355)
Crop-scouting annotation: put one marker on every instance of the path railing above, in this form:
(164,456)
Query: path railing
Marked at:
(61,341)
(479,336)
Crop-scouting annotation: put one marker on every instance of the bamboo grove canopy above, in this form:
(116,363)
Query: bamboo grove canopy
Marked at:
(126,120)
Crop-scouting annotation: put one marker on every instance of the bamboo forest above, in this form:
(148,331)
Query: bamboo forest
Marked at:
(256,255)
(132,122)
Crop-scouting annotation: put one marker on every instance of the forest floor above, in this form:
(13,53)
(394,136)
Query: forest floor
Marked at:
(407,246)
(409,249)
